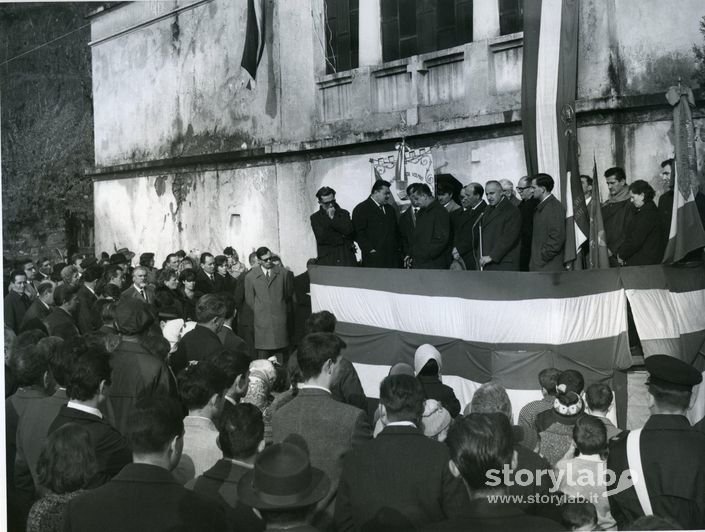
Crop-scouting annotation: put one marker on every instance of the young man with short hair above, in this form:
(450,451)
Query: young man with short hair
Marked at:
(144,496)
(400,477)
(330,428)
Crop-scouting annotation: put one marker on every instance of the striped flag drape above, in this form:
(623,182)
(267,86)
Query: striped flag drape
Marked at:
(667,304)
(687,233)
(492,326)
(549,80)
(488,326)
(598,256)
(577,217)
(254,37)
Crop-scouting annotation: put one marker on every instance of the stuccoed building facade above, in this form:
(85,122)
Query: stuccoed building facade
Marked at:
(189,157)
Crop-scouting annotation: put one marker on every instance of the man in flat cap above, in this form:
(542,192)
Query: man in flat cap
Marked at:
(667,452)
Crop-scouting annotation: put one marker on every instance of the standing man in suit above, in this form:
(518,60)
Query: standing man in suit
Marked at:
(671,451)
(527,207)
(86,390)
(401,471)
(333,229)
(548,239)
(87,297)
(139,288)
(205,277)
(464,223)
(136,372)
(508,191)
(30,270)
(156,431)
(425,229)
(16,301)
(241,439)
(44,267)
(480,445)
(376,229)
(500,227)
(40,308)
(268,289)
(62,321)
(202,341)
(329,427)
(444,195)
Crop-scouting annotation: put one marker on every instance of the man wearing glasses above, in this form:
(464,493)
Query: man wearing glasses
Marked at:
(268,289)
(333,229)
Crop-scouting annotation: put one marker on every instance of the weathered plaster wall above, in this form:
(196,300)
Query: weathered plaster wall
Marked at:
(199,210)
(629,47)
(270,204)
(175,87)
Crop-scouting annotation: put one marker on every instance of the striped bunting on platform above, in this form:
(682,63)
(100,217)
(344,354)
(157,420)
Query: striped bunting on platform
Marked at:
(668,305)
(502,326)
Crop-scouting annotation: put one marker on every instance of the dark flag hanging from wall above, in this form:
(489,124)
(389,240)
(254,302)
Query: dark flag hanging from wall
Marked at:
(597,256)
(686,232)
(549,82)
(254,39)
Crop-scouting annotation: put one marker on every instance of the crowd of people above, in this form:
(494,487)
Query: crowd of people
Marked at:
(205,395)
(491,228)
(123,434)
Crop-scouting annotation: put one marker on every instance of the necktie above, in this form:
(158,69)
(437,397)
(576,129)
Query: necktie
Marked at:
(383,211)
(414,212)
(143,295)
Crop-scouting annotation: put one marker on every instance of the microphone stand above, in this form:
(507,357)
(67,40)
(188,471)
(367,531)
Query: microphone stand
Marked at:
(479,263)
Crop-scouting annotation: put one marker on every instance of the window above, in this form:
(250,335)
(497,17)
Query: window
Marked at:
(411,27)
(511,16)
(342,22)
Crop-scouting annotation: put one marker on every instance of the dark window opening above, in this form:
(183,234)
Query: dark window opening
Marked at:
(342,18)
(511,16)
(411,27)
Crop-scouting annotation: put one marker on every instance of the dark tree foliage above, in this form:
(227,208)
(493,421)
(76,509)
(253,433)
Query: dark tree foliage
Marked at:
(47,116)
(699,52)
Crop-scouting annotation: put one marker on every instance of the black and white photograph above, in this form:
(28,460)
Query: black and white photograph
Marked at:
(353,265)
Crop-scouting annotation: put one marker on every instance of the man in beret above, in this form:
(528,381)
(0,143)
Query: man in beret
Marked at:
(672,453)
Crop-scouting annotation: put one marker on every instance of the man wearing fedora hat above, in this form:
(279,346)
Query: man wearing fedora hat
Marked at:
(284,486)
(667,452)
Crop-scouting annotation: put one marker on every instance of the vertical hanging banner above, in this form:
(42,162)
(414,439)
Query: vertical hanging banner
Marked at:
(549,81)
(254,39)
(598,256)
(687,231)
(577,219)
(410,166)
